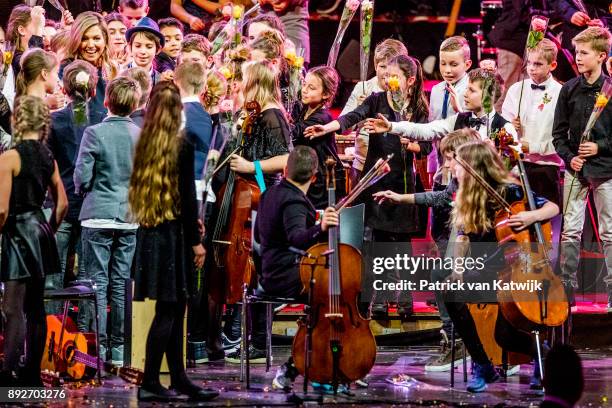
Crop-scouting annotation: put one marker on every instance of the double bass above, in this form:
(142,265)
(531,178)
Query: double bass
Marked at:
(340,347)
(233,265)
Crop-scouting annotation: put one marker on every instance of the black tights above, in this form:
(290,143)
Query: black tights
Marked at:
(165,336)
(25,320)
(506,335)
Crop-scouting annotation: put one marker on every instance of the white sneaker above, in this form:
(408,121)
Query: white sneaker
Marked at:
(513,370)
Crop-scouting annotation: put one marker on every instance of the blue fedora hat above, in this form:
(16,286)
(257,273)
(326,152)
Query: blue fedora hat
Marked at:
(146,24)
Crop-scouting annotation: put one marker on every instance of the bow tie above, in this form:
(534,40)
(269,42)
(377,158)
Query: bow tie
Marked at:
(540,87)
(476,122)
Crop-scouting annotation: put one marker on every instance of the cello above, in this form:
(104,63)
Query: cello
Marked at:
(337,346)
(233,265)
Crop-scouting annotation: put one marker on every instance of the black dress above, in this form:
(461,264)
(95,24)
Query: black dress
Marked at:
(28,243)
(163,267)
(325,146)
(401,219)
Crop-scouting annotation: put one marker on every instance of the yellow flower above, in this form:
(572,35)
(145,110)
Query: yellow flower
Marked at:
(291,57)
(601,101)
(237,12)
(299,62)
(8,57)
(394,83)
(226,72)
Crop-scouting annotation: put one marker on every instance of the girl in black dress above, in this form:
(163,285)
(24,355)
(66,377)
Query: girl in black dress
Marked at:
(162,200)
(29,252)
(318,92)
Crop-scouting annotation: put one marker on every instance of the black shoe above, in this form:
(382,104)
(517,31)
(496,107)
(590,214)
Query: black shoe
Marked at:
(195,392)
(256,356)
(158,393)
(218,355)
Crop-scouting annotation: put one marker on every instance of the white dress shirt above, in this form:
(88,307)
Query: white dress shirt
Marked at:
(537,115)
(363,88)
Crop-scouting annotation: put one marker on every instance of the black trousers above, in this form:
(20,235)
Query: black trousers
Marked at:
(506,335)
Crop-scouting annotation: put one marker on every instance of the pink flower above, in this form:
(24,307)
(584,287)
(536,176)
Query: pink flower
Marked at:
(227,10)
(541,106)
(538,24)
(352,4)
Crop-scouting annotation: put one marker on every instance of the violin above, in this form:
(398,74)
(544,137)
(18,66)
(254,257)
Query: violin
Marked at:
(341,347)
(233,265)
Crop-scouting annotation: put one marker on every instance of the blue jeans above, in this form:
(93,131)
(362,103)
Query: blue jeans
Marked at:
(68,239)
(107,256)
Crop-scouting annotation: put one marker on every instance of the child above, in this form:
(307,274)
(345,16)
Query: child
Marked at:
(25,30)
(146,42)
(117,27)
(108,239)
(262,23)
(534,126)
(133,11)
(38,76)
(144,80)
(383,53)
(195,48)
(89,42)
(442,201)
(29,253)
(213,94)
(318,91)
(190,77)
(59,44)
(269,46)
(67,127)
(172,30)
(588,163)
(474,217)
(390,223)
(168,241)
(474,117)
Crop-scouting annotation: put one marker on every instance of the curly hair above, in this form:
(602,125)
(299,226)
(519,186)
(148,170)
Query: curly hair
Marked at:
(473,206)
(216,88)
(31,114)
(153,195)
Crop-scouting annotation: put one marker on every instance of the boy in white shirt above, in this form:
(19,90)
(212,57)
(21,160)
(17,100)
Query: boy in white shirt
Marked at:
(533,119)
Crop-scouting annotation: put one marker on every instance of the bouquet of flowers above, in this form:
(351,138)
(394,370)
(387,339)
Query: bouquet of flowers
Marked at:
(365,31)
(350,8)
(600,104)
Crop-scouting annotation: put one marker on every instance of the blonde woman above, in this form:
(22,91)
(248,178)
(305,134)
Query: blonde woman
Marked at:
(89,41)
(474,217)
(29,252)
(162,200)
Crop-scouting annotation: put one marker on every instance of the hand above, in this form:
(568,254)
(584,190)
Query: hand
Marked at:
(378,125)
(67,18)
(453,98)
(199,254)
(577,163)
(167,75)
(580,19)
(330,218)
(587,149)
(196,24)
(56,100)
(241,165)
(38,19)
(525,146)
(409,145)
(595,23)
(201,228)
(522,220)
(516,122)
(387,196)
(315,131)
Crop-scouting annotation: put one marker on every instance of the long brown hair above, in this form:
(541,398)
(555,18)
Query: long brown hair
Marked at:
(411,67)
(33,62)
(20,16)
(82,23)
(154,196)
(473,206)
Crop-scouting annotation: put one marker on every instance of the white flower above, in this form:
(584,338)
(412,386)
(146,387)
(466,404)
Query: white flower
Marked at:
(352,4)
(366,4)
(82,78)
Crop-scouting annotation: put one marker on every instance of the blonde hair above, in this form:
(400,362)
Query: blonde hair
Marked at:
(190,76)
(456,138)
(122,96)
(33,62)
(270,43)
(31,114)
(260,84)
(82,23)
(389,49)
(216,88)
(547,49)
(598,37)
(153,195)
(473,207)
(456,43)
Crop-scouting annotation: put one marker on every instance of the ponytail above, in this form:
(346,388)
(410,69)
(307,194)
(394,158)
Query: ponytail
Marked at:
(33,62)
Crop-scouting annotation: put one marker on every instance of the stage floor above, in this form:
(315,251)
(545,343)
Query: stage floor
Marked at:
(425,389)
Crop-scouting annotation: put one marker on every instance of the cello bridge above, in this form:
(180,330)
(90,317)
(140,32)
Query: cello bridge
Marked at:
(334,315)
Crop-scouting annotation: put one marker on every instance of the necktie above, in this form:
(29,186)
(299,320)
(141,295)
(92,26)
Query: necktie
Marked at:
(445,104)
(540,87)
